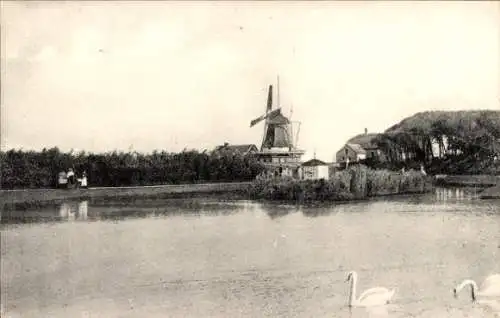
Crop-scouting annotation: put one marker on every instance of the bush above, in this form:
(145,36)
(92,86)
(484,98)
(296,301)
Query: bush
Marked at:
(357,182)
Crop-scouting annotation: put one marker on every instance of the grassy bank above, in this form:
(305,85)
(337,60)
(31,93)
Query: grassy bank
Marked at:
(43,195)
(356,183)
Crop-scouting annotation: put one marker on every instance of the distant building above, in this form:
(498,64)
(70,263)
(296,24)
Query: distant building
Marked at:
(351,153)
(360,147)
(240,149)
(314,169)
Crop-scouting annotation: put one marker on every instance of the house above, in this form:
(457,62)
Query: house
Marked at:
(351,153)
(360,147)
(240,149)
(314,169)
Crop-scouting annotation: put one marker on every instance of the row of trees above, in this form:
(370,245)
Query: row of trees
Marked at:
(31,169)
(465,141)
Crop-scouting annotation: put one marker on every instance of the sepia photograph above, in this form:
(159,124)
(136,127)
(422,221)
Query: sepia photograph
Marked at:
(249,159)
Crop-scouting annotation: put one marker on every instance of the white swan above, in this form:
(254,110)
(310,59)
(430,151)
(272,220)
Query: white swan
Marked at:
(376,296)
(489,288)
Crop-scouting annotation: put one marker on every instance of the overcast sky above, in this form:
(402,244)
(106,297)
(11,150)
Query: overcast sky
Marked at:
(100,76)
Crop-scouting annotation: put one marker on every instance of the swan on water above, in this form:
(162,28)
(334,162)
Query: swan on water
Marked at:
(376,296)
(490,287)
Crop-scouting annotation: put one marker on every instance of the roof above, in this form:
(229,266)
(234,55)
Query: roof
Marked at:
(313,162)
(277,119)
(357,148)
(364,140)
(237,148)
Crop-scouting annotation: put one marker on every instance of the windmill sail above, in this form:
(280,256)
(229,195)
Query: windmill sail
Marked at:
(261,118)
(268,108)
(257,120)
(270,99)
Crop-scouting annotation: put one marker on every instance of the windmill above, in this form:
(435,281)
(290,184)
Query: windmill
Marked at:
(278,130)
(278,148)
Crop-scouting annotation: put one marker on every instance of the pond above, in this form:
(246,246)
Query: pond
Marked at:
(206,257)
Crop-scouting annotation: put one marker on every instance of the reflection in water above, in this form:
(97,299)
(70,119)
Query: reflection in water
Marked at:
(447,194)
(64,210)
(74,210)
(245,259)
(83,210)
(124,208)
(162,207)
(276,211)
(115,209)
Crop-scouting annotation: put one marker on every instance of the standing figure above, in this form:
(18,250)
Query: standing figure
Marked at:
(71,178)
(84,180)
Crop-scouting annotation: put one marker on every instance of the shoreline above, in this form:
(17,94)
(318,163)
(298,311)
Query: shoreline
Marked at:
(490,193)
(467,180)
(46,195)
(491,185)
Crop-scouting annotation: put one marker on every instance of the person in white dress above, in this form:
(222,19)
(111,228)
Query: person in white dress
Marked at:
(84,180)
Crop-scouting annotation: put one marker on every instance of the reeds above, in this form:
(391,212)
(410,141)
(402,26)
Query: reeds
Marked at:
(355,183)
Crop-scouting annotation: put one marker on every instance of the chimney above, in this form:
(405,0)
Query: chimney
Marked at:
(366,131)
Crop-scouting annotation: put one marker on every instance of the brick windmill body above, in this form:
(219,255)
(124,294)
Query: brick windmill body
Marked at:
(278,151)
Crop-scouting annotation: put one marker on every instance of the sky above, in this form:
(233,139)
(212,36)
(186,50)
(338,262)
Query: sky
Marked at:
(102,76)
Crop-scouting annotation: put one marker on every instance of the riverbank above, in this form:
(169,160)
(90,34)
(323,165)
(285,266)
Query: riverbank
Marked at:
(45,195)
(467,180)
(356,183)
(491,193)
(240,188)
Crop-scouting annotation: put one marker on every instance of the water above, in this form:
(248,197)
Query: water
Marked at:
(210,258)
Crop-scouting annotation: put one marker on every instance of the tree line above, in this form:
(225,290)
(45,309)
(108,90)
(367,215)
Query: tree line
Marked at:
(39,169)
(464,141)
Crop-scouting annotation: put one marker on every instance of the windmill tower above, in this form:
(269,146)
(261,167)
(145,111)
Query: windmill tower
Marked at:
(278,149)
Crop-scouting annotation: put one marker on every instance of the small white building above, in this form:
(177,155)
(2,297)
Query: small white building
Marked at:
(314,169)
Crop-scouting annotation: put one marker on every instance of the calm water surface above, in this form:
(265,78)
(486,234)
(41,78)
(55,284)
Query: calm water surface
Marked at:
(212,258)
